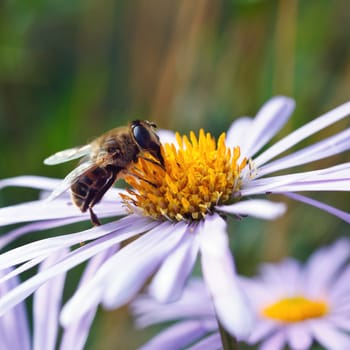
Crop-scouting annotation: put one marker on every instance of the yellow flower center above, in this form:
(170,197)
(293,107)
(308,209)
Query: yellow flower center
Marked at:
(200,174)
(295,309)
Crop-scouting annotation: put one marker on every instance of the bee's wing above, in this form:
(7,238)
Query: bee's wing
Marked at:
(68,154)
(70,178)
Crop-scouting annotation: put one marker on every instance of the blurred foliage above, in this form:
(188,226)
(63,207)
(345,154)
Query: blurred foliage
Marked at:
(69,70)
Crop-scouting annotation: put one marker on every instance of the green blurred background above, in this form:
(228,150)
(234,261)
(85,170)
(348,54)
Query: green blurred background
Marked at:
(70,70)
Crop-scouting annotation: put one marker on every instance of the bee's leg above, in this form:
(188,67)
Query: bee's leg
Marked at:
(152,161)
(140,178)
(93,217)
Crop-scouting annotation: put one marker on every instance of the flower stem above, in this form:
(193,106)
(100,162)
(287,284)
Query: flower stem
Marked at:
(229,342)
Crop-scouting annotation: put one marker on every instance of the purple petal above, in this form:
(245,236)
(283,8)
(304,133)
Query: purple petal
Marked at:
(135,226)
(259,208)
(262,330)
(316,185)
(46,246)
(166,136)
(299,336)
(237,134)
(257,291)
(8,237)
(341,322)
(74,337)
(46,307)
(177,336)
(14,322)
(283,182)
(303,132)
(328,260)
(329,337)
(168,282)
(212,342)
(231,305)
(329,209)
(270,119)
(284,277)
(142,257)
(56,209)
(274,342)
(320,150)
(38,182)
(341,286)
(195,302)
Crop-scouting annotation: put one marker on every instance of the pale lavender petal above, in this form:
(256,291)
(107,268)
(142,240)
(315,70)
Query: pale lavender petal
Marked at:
(24,267)
(303,132)
(73,259)
(329,337)
(278,183)
(341,286)
(323,149)
(231,305)
(141,256)
(75,336)
(195,302)
(177,336)
(166,136)
(8,237)
(317,204)
(212,342)
(283,277)
(46,307)
(262,329)
(168,282)
(341,322)
(46,246)
(328,260)
(237,134)
(299,336)
(275,281)
(259,208)
(317,184)
(257,291)
(56,209)
(14,322)
(38,182)
(275,342)
(269,120)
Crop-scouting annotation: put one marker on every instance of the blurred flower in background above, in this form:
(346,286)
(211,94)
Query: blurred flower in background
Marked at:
(299,304)
(295,304)
(71,70)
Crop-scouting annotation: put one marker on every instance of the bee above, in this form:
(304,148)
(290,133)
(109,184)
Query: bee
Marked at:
(106,159)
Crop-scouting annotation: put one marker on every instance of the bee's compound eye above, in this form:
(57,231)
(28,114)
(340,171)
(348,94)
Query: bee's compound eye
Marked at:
(142,136)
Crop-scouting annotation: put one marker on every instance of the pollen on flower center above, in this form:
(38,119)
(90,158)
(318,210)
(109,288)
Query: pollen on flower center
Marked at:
(198,175)
(295,309)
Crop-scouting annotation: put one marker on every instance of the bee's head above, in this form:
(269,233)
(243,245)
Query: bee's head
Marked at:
(144,134)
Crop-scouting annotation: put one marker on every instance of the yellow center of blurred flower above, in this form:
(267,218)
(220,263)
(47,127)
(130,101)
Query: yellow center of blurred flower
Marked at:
(200,174)
(295,309)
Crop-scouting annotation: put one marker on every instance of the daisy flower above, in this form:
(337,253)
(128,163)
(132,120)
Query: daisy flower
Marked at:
(178,213)
(15,330)
(298,304)
(192,315)
(295,305)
